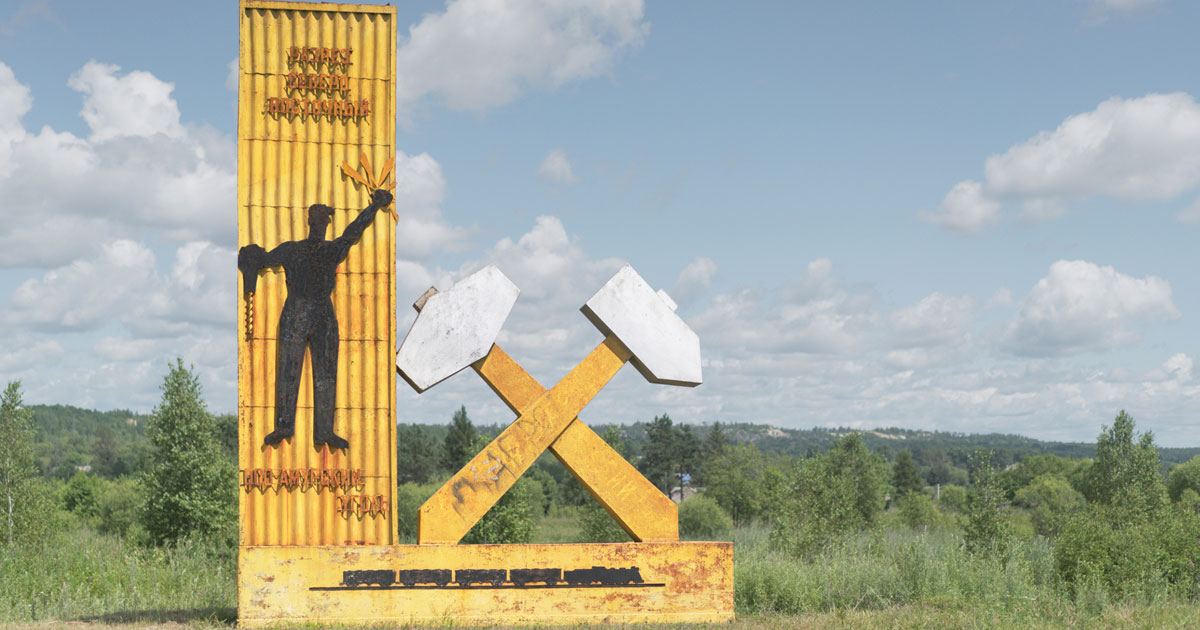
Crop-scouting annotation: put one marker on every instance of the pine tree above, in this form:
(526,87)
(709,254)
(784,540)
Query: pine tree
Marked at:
(16,464)
(190,487)
(459,446)
(416,454)
(687,457)
(672,454)
(713,447)
(657,464)
(715,441)
(904,475)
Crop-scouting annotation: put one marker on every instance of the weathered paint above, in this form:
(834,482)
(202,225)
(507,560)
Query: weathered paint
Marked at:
(683,582)
(286,164)
(665,349)
(644,512)
(451,512)
(455,327)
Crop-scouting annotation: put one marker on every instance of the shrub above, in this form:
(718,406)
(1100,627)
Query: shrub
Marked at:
(597,525)
(826,496)
(1185,476)
(119,504)
(1032,467)
(409,498)
(1189,501)
(511,519)
(953,497)
(701,517)
(918,511)
(549,488)
(817,507)
(1051,501)
(735,480)
(81,496)
(867,472)
(1094,548)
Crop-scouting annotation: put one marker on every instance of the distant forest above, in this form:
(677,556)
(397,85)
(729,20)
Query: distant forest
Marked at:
(113,443)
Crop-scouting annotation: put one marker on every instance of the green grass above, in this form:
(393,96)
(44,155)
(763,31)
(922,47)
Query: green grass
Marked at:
(894,577)
(84,575)
(560,526)
(894,567)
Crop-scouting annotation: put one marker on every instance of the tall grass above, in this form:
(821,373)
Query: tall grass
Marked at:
(896,567)
(894,576)
(81,574)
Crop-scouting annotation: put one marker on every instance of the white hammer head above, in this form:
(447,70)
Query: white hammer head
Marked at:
(665,350)
(455,327)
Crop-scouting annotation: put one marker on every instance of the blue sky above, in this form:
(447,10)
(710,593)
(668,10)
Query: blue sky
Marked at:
(943,215)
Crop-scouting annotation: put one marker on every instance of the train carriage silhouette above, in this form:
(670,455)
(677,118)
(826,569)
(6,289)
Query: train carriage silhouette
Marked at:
(466,578)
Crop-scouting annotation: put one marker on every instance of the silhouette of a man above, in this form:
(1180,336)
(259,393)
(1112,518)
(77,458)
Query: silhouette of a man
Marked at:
(308,320)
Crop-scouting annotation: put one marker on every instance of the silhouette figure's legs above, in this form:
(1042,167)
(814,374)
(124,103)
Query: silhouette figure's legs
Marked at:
(289,361)
(324,347)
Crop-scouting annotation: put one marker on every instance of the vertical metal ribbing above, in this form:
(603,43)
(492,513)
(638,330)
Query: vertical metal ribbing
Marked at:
(285,165)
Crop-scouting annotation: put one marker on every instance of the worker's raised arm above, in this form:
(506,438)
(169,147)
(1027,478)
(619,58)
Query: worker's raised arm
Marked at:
(379,200)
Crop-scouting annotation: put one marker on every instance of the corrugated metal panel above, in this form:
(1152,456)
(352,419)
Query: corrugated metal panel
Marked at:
(286,164)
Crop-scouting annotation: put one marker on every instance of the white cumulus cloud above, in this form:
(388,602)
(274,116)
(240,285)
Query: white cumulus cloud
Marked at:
(693,281)
(1133,150)
(815,314)
(138,170)
(480,54)
(136,104)
(556,169)
(1101,10)
(936,319)
(1081,306)
(85,293)
(1179,366)
(965,209)
(420,190)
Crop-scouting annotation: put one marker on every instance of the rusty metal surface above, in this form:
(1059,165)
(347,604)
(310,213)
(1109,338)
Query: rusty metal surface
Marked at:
(673,583)
(470,493)
(294,493)
(643,511)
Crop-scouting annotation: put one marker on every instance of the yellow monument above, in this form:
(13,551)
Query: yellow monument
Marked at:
(318,364)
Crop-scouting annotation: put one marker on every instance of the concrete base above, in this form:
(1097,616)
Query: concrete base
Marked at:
(679,582)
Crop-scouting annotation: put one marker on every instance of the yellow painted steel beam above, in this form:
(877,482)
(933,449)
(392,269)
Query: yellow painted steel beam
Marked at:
(643,511)
(451,512)
(681,582)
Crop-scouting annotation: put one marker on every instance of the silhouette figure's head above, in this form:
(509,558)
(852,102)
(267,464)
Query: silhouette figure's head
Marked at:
(318,219)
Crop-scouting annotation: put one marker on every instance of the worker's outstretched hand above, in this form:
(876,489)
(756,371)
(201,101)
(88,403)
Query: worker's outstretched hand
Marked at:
(381,198)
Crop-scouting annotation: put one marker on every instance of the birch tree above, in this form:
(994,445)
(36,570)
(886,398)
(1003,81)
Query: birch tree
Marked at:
(16,462)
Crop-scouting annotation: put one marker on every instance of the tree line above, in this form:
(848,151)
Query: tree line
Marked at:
(1121,514)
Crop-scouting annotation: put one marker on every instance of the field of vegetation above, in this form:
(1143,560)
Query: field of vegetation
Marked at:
(852,530)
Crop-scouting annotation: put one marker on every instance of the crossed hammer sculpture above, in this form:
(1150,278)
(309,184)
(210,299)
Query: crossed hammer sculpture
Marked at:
(457,328)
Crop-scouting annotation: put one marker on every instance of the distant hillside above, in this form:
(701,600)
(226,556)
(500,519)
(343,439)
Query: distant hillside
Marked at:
(109,443)
(923,444)
(112,443)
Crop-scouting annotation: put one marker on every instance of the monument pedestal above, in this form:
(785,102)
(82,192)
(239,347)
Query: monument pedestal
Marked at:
(674,582)
(316,144)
